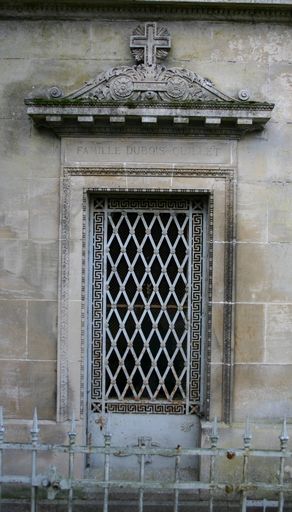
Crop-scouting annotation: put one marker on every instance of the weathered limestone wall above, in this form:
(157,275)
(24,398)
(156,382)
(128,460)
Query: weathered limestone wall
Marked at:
(263,357)
(38,53)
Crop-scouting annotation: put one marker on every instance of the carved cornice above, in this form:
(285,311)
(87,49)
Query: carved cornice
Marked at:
(147,93)
(227,118)
(220,10)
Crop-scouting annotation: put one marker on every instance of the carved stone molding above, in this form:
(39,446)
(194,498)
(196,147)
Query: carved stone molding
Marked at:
(217,174)
(148,94)
(63,324)
(222,10)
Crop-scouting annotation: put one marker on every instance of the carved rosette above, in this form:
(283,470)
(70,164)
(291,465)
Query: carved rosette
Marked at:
(177,88)
(121,87)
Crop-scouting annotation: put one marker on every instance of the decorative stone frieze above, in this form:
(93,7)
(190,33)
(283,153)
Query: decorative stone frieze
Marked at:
(247,10)
(148,93)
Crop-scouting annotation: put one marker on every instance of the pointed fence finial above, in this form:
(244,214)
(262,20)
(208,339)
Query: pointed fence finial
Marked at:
(284,438)
(214,434)
(2,428)
(247,436)
(35,422)
(35,427)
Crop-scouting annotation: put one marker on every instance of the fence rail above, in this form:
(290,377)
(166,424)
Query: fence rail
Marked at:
(279,488)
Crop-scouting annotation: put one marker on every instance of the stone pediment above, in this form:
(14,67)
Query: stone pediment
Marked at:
(148,94)
(149,86)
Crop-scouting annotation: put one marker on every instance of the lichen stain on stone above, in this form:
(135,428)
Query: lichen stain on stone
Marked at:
(256,48)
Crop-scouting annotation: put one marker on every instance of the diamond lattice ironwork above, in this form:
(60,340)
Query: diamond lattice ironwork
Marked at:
(147,304)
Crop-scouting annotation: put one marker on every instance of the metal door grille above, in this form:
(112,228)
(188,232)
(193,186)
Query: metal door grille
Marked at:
(147,304)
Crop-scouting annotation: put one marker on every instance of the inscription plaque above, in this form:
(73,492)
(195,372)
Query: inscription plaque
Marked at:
(146,151)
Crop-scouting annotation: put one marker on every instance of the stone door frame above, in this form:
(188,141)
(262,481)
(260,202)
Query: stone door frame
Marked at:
(78,182)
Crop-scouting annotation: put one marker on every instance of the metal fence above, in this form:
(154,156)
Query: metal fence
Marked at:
(278,490)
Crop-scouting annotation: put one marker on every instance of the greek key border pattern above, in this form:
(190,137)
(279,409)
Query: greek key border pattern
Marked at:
(196,301)
(97,277)
(159,408)
(133,203)
(195,383)
(203,172)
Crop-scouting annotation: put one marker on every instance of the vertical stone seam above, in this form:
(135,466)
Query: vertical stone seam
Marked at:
(26,329)
(265,332)
(267,226)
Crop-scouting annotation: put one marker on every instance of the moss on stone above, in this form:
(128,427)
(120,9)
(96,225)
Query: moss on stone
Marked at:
(77,102)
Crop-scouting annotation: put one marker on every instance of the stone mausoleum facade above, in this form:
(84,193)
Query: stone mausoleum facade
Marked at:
(146,225)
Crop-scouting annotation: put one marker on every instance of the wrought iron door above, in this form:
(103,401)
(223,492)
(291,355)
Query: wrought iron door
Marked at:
(147,289)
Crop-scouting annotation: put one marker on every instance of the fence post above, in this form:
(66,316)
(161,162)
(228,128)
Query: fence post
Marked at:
(107,444)
(72,439)
(176,479)
(214,437)
(141,444)
(247,437)
(284,438)
(2,430)
(34,440)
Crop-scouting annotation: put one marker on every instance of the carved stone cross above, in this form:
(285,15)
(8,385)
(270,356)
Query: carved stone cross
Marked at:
(150,41)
